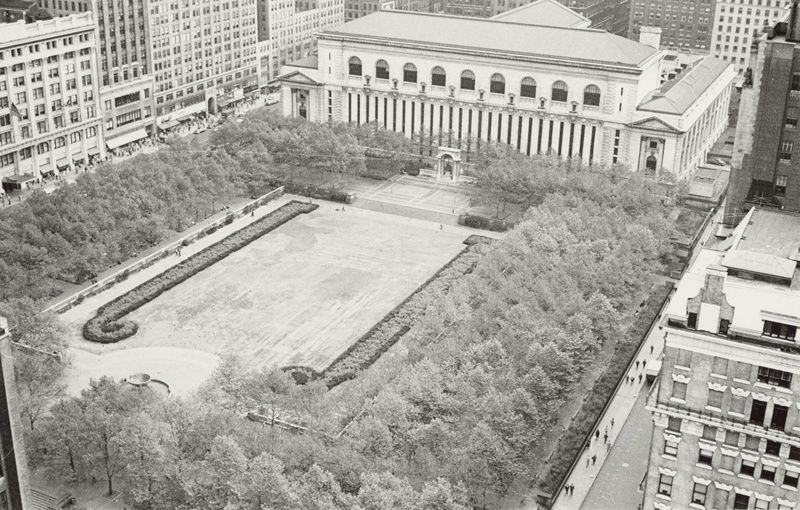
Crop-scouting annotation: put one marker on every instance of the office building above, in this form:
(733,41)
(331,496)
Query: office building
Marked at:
(598,98)
(610,15)
(737,24)
(725,406)
(686,24)
(14,482)
(765,162)
(26,10)
(49,114)
(286,31)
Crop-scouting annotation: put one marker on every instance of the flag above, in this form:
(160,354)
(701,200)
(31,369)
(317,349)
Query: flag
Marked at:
(15,111)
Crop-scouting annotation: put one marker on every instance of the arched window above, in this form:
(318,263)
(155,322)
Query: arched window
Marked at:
(42,148)
(355,66)
(381,70)
(559,92)
(591,95)
(438,77)
(650,164)
(497,84)
(528,87)
(410,73)
(468,80)
(59,142)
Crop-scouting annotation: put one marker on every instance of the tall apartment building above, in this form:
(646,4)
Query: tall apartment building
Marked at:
(738,23)
(354,9)
(686,25)
(204,54)
(49,114)
(14,483)
(66,7)
(286,31)
(725,407)
(610,15)
(765,163)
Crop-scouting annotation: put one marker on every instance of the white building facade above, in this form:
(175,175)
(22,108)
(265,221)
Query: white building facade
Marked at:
(49,112)
(573,92)
(736,22)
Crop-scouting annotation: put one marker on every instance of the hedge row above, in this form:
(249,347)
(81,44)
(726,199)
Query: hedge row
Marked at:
(583,424)
(483,223)
(108,325)
(367,349)
(312,191)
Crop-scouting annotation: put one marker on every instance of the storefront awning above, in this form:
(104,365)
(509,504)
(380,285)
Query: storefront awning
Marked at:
(185,117)
(19,179)
(168,124)
(127,138)
(94,151)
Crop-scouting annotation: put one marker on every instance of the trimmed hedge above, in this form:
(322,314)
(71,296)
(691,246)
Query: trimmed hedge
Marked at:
(483,223)
(384,334)
(582,426)
(312,191)
(108,325)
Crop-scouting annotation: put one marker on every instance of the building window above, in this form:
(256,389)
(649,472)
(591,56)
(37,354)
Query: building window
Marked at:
(684,358)
(731,438)
(724,324)
(714,399)
(528,87)
(679,390)
(6,159)
(704,457)
(665,485)
(381,70)
(773,448)
(743,371)
(591,95)
(497,84)
(410,73)
(720,365)
(699,493)
(774,377)
(780,185)
(757,412)
(670,448)
(790,478)
(786,149)
(741,502)
(761,504)
(75,137)
(796,81)
(778,330)
(726,462)
(709,432)
(779,415)
(354,65)
(748,468)
(559,92)
(791,117)
(438,77)
(467,80)
(691,321)
(767,473)
(42,148)
(59,142)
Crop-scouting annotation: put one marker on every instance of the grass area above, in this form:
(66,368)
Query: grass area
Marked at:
(304,293)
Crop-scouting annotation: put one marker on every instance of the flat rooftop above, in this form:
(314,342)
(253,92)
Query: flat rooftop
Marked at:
(20,33)
(545,12)
(479,35)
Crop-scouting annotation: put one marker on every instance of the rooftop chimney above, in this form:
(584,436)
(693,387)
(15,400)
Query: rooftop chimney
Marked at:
(651,36)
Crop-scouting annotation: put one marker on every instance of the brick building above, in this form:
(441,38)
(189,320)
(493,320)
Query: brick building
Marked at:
(766,154)
(725,407)
(686,24)
(610,15)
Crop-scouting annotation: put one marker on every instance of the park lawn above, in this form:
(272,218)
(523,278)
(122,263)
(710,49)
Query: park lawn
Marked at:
(303,293)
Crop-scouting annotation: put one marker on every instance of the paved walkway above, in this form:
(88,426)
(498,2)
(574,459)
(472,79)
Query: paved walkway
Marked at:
(415,192)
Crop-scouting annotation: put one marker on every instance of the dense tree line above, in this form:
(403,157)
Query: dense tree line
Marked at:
(450,415)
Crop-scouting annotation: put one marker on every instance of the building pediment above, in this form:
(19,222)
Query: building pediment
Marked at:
(654,124)
(298,78)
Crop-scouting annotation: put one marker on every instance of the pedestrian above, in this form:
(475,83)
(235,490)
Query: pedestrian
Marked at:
(651,349)
(612,423)
(587,462)
(640,378)
(571,489)
(594,459)
(252,214)
(608,446)
(605,438)
(637,364)
(597,433)
(566,490)
(441,226)
(644,364)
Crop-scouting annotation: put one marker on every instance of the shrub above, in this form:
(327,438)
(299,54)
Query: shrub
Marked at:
(229,218)
(108,325)
(483,223)
(185,242)
(386,332)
